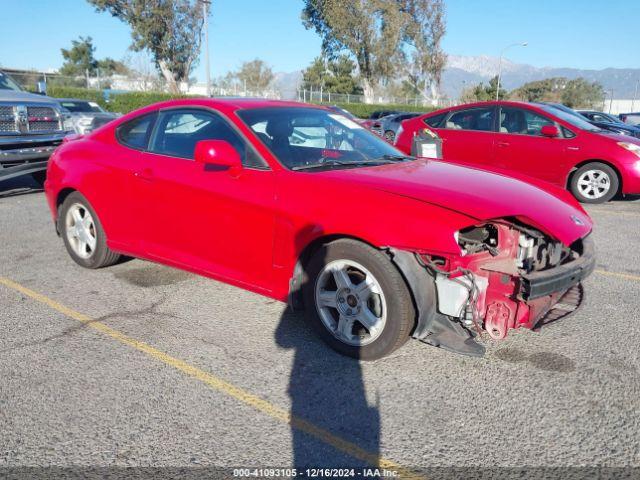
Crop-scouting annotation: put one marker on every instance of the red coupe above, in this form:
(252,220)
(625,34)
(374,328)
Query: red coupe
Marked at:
(537,140)
(302,204)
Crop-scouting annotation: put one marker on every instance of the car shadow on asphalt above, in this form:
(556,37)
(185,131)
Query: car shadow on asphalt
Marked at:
(327,390)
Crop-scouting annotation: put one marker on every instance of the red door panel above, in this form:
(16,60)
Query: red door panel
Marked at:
(209,219)
(467,136)
(467,147)
(519,146)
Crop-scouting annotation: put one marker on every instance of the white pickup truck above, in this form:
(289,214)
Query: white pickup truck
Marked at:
(31,127)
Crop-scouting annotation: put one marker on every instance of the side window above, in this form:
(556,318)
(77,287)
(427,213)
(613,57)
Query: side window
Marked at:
(178,132)
(523,122)
(135,133)
(474,119)
(436,120)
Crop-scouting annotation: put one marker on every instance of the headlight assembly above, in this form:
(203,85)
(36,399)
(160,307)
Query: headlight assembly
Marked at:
(632,147)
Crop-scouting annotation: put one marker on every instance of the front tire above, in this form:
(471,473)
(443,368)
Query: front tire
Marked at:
(83,234)
(594,182)
(357,300)
(390,136)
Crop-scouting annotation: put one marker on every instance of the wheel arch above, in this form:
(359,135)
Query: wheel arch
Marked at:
(421,287)
(63,194)
(60,198)
(594,160)
(295,300)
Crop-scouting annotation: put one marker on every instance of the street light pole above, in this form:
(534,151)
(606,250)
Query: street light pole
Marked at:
(523,44)
(205,13)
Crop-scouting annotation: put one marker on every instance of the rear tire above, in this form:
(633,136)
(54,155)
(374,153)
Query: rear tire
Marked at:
(83,234)
(357,300)
(594,182)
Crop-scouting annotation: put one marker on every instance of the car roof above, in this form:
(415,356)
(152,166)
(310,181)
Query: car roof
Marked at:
(463,106)
(226,104)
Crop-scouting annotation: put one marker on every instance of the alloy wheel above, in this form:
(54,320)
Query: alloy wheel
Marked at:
(350,302)
(594,184)
(81,230)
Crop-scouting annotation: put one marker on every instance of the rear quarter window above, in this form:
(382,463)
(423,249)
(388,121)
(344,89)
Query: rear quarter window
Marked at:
(136,132)
(436,120)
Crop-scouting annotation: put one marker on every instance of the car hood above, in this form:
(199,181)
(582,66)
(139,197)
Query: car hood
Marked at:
(13,96)
(478,194)
(92,115)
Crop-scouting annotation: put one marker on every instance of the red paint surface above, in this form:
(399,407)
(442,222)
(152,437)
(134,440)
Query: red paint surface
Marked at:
(249,227)
(543,158)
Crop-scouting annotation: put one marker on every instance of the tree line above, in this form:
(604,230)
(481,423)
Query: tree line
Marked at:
(385,39)
(574,93)
(367,46)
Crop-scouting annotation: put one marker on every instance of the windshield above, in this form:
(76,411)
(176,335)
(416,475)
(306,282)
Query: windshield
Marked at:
(574,118)
(308,138)
(81,106)
(6,83)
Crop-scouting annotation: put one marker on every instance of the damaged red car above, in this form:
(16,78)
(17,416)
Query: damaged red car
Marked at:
(303,205)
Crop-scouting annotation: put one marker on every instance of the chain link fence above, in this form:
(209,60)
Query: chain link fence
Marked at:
(319,96)
(39,82)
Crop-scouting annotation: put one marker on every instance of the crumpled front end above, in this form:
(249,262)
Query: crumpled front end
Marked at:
(508,275)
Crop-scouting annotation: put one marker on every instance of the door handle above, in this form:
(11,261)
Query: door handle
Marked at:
(144,174)
(503,144)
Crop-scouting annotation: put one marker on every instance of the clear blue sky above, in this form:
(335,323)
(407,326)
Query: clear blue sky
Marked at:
(570,33)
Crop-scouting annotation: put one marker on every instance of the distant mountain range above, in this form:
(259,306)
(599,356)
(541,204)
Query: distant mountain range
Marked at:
(464,71)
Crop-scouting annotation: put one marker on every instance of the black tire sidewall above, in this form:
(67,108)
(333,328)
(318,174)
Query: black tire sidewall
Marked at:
(615,182)
(101,251)
(400,312)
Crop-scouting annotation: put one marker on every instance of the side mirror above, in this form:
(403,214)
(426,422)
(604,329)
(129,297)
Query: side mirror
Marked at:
(550,131)
(217,155)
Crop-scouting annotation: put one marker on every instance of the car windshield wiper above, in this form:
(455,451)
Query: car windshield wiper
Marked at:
(358,163)
(327,163)
(395,158)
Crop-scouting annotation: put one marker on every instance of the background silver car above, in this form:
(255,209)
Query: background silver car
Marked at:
(390,124)
(83,116)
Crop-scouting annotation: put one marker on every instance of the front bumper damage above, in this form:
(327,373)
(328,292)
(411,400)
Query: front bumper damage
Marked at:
(459,298)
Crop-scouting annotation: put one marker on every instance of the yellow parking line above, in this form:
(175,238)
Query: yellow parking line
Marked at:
(620,275)
(218,384)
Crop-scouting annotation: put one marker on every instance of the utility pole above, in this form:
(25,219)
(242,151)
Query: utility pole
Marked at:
(611,101)
(523,44)
(205,14)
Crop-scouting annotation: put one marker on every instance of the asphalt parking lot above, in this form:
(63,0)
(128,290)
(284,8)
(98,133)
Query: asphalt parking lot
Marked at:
(144,365)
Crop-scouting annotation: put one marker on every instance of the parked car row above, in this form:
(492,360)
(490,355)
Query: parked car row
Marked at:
(630,118)
(542,141)
(33,125)
(433,250)
(83,116)
(601,120)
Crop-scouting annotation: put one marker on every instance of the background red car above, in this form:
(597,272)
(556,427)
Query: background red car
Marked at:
(536,140)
